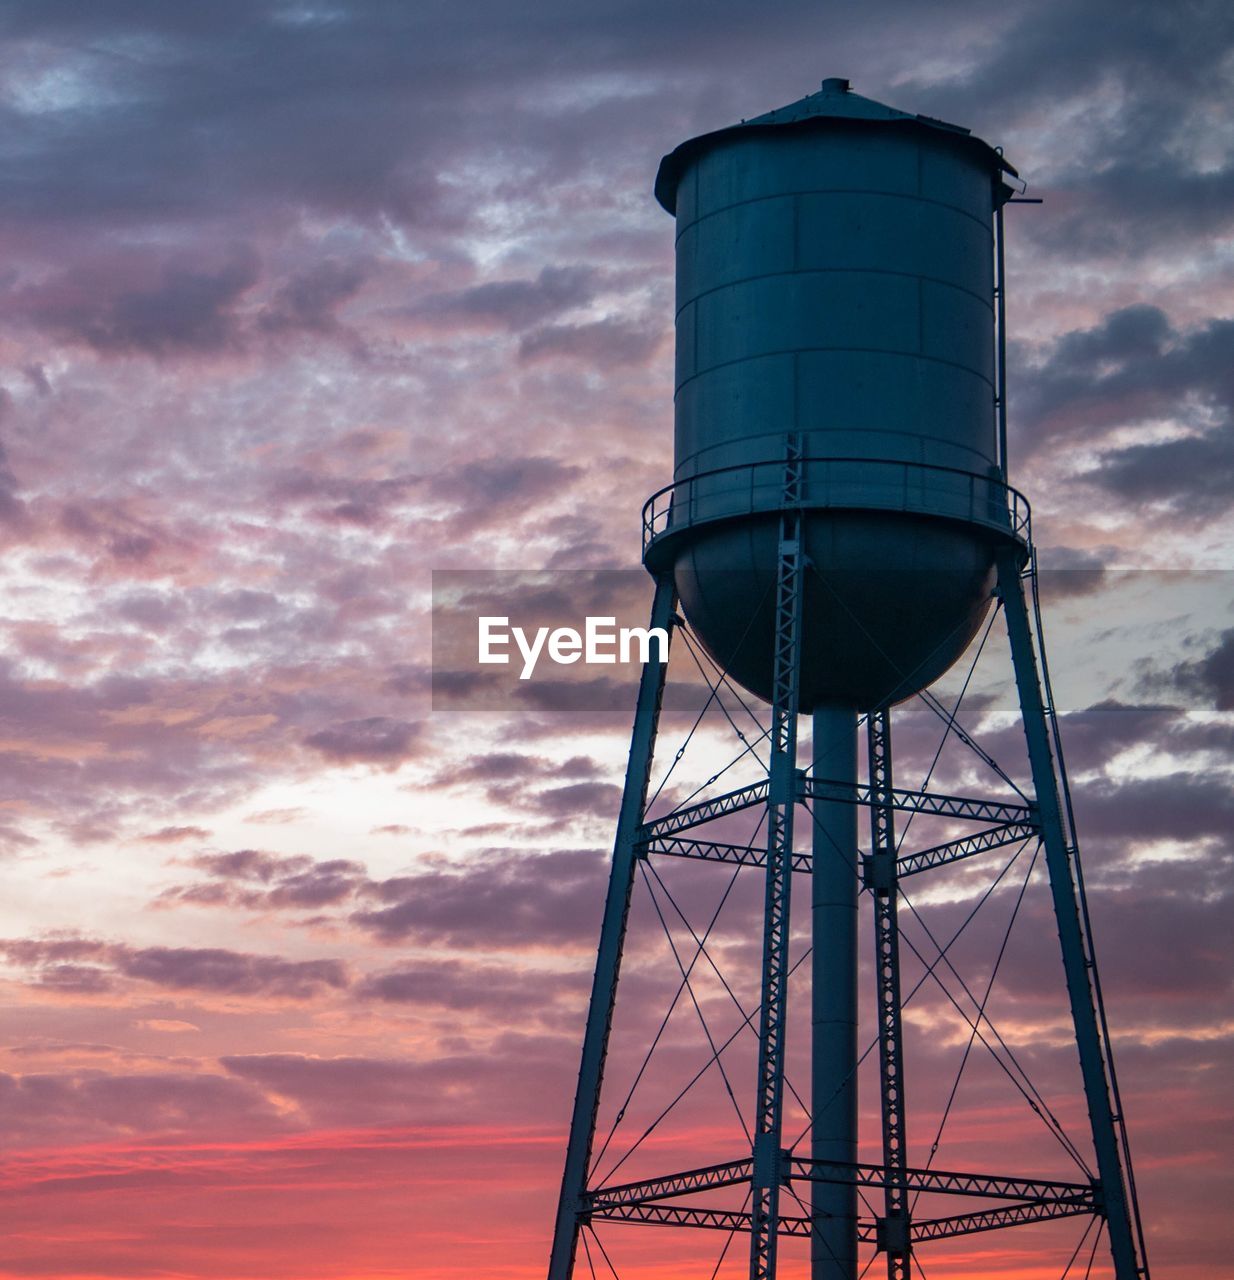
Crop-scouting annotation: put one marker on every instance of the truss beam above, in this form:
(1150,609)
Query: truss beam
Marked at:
(740,855)
(734,1220)
(924,802)
(1015,1215)
(932,1181)
(940,855)
(705,811)
(944,1182)
(782,796)
(908,864)
(675,1184)
(893,1227)
(737,1220)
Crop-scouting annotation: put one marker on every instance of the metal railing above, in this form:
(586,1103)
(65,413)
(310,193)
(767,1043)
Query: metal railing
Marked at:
(863,484)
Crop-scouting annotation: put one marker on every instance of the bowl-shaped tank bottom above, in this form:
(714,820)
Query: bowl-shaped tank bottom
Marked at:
(890,601)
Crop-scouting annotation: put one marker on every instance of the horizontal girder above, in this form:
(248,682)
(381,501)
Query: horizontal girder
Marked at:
(908,864)
(1013,1215)
(738,1220)
(696,814)
(924,802)
(675,1184)
(939,1181)
(711,851)
(673,1215)
(993,1186)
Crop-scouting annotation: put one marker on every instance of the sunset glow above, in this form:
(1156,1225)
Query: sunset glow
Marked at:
(305,301)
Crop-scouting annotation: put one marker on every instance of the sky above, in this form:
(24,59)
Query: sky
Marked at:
(304,301)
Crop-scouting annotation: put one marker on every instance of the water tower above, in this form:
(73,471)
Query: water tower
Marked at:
(838,528)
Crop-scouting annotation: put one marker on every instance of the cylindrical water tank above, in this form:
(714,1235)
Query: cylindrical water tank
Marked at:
(835,298)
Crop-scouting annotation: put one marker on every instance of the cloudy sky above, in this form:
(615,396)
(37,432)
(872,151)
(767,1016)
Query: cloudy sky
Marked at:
(303,300)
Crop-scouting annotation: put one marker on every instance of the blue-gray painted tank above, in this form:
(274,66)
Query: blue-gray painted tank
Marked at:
(835,288)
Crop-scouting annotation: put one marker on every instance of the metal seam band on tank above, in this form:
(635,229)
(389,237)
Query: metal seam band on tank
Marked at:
(827,191)
(867,351)
(836,271)
(775,433)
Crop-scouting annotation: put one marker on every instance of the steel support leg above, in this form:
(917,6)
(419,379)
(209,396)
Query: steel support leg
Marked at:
(833,1085)
(893,1228)
(612,935)
(769,1165)
(1077,960)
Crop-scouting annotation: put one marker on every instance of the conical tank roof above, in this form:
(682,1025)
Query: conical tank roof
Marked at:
(834,102)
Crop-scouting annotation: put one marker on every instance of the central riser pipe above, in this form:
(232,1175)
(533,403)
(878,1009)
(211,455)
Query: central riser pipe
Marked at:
(833,1244)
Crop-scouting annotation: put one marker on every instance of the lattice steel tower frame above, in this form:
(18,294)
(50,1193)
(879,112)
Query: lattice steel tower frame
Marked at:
(839,527)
